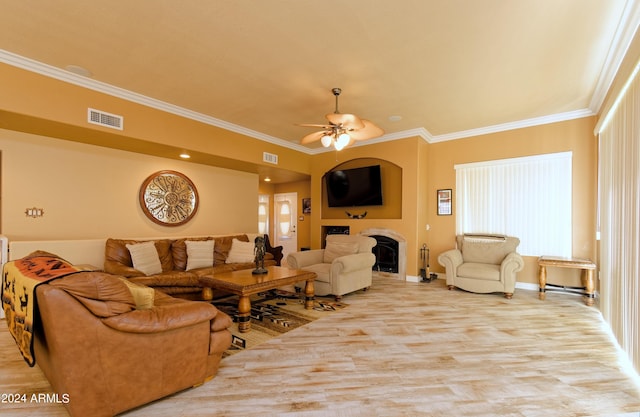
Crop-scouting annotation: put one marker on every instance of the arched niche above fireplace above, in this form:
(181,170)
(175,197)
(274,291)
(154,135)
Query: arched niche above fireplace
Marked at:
(391,179)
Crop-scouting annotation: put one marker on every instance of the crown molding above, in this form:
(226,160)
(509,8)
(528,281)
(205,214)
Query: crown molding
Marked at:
(104,88)
(101,87)
(622,39)
(536,121)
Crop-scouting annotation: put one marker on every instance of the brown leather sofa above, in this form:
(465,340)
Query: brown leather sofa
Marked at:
(175,279)
(105,352)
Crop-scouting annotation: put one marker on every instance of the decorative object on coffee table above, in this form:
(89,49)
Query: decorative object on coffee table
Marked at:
(259,251)
(168,198)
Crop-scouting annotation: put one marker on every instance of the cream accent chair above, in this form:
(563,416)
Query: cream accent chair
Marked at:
(483,264)
(342,267)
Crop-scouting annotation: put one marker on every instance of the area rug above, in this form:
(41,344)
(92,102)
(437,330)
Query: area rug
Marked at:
(272,314)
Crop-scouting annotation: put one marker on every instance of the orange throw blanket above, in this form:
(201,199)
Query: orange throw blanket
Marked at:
(21,277)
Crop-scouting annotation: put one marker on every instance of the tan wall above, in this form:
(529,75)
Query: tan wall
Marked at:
(92,192)
(403,153)
(576,136)
(38,104)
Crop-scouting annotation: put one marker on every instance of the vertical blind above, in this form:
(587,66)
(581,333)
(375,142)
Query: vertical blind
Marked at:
(528,197)
(619,221)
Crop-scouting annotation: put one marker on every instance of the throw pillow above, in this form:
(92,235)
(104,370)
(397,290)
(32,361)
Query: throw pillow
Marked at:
(241,252)
(335,250)
(144,257)
(142,295)
(199,253)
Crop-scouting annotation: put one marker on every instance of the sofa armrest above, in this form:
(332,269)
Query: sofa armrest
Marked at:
(354,262)
(298,260)
(511,264)
(451,260)
(116,268)
(163,317)
(275,251)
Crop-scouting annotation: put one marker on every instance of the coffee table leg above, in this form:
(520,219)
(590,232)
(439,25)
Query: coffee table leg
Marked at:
(244,314)
(309,296)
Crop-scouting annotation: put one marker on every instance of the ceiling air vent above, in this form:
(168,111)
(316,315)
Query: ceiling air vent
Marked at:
(98,117)
(270,158)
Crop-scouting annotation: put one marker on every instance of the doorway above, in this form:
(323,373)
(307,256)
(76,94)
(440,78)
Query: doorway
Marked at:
(285,221)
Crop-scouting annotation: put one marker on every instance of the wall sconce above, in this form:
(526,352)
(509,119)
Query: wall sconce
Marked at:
(34,212)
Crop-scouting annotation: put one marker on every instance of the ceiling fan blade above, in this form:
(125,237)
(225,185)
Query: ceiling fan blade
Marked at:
(325,126)
(369,131)
(312,137)
(348,121)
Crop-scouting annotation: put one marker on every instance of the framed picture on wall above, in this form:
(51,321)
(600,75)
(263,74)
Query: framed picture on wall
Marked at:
(306,205)
(444,202)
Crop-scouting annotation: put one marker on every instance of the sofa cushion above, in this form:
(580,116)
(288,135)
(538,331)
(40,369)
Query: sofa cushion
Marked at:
(179,251)
(117,258)
(223,246)
(487,249)
(484,271)
(103,294)
(335,250)
(169,279)
(323,272)
(241,252)
(144,257)
(199,253)
(142,295)
(166,316)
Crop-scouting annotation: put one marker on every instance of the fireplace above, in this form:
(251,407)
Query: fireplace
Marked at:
(390,252)
(386,251)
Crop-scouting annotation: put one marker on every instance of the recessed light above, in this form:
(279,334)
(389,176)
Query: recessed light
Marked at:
(185,155)
(395,118)
(267,179)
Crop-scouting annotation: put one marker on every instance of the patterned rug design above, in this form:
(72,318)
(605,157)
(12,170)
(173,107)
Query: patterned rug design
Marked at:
(272,314)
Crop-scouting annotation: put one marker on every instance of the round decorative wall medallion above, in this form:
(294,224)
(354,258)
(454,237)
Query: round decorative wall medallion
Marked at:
(168,198)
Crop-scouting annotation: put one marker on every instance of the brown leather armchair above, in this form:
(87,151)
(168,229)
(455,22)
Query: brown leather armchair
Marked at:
(101,347)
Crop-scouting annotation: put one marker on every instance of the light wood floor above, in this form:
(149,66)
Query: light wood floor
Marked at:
(404,349)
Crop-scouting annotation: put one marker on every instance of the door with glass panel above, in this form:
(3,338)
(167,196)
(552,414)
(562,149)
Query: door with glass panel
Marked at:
(285,215)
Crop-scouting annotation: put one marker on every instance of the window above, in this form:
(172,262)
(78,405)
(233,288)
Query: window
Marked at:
(529,198)
(263,214)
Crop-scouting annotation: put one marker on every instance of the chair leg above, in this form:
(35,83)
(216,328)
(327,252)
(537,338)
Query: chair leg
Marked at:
(451,287)
(508,295)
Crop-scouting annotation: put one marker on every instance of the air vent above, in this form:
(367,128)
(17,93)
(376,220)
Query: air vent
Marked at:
(270,158)
(105,119)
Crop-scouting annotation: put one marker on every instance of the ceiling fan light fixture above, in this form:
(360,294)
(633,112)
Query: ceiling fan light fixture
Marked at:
(342,141)
(335,132)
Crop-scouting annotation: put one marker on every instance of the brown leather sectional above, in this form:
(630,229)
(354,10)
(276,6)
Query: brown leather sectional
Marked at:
(174,279)
(104,354)
(108,344)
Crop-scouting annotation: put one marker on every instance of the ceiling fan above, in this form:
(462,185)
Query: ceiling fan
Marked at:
(343,129)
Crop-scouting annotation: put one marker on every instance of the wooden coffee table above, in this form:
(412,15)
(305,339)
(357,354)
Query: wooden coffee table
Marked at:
(243,283)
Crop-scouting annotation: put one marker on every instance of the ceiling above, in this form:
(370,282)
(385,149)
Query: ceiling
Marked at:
(441,69)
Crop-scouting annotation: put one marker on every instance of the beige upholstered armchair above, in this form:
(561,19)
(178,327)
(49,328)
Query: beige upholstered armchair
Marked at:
(483,264)
(342,267)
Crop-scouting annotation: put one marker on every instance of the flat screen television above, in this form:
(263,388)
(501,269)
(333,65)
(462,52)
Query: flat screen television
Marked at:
(354,187)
